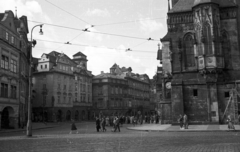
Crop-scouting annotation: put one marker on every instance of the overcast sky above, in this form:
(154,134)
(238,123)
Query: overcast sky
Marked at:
(81,14)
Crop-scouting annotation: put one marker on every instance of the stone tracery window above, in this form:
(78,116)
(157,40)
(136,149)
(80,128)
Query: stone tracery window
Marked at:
(199,35)
(208,40)
(189,51)
(226,50)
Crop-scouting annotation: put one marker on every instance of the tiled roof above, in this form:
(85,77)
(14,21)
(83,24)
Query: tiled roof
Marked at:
(222,3)
(114,66)
(1,16)
(182,6)
(187,5)
(79,54)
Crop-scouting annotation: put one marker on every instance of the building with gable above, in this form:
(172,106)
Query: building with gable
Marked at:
(14,51)
(63,88)
(200,58)
(121,92)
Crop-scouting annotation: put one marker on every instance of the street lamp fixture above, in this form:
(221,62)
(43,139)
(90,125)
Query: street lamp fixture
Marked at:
(29,122)
(41,32)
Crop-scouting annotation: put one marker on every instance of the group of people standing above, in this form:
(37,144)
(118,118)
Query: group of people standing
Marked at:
(101,123)
(183,120)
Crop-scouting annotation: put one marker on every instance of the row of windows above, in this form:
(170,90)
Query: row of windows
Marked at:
(81,79)
(64,68)
(5,92)
(5,64)
(64,100)
(83,98)
(195,93)
(112,104)
(83,87)
(138,85)
(189,43)
(44,66)
(118,90)
(11,39)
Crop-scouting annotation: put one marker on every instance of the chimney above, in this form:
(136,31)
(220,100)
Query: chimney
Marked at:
(174,2)
(102,72)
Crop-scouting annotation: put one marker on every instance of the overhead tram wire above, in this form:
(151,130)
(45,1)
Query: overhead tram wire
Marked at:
(91,24)
(92,46)
(68,12)
(70,40)
(126,22)
(86,30)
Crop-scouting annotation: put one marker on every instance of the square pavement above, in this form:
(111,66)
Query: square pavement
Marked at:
(168,127)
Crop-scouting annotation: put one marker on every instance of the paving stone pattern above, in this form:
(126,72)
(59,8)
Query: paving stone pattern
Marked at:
(58,140)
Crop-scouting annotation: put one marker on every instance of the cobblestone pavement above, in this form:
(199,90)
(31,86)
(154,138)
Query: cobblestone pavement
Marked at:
(88,140)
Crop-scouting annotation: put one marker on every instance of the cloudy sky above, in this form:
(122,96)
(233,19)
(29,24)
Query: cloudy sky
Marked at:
(112,17)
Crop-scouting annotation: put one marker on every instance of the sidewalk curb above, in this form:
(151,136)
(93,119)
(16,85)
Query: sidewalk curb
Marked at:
(184,130)
(8,131)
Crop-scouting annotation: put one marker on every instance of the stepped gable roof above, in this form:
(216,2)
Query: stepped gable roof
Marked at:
(79,54)
(187,5)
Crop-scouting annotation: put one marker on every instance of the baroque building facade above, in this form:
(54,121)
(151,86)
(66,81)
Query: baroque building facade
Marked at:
(14,50)
(121,92)
(200,58)
(63,88)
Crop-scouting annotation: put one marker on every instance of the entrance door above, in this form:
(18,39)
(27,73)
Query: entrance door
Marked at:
(59,115)
(68,117)
(76,115)
(5,119)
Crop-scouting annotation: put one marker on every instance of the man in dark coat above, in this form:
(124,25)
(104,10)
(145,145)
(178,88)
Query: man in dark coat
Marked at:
(98,127)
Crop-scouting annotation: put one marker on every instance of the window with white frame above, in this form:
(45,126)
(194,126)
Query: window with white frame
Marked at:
(12,40)
(13,66)
(4,62)
(7,36)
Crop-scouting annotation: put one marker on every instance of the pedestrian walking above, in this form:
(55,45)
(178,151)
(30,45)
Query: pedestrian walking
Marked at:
(73,127)
(103,123)
(117,124)
(134,120)
(230,123)
(107,121)
(185,121)
(98,127)
(180,120)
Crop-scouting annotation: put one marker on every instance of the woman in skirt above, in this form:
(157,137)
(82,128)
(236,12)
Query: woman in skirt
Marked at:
(73,127)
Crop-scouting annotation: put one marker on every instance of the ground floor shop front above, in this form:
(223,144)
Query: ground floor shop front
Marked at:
(61,114)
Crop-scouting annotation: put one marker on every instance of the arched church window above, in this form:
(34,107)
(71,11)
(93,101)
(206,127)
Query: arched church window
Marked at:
(208,40)
(199,36)
(226,50)
(189,51)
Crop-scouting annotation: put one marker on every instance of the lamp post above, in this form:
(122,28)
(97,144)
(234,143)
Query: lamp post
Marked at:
(29,122)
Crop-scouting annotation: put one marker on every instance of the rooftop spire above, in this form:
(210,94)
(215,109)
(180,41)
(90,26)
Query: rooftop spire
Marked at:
(158,46)
(168,5)
(16,12)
